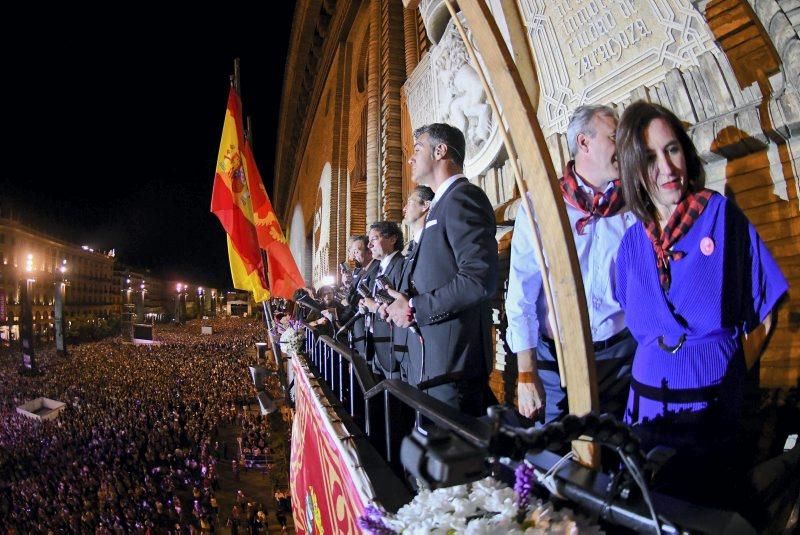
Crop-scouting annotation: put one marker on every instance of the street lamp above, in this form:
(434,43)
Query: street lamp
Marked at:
(28,357)
(60,293)
(201,298)
(140,303)
(179,288)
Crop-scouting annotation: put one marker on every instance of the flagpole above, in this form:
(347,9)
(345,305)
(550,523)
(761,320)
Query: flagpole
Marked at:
(236,83)
(268,319)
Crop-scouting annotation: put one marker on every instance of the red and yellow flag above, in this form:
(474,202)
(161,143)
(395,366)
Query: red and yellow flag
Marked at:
(241,204)
(230,202)
(284,277)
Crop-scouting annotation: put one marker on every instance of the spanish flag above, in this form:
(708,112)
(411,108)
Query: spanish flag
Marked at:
(231,203)
(241,203)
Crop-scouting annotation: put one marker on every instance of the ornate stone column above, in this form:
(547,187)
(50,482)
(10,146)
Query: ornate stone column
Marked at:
(373,109)
(411,40)
(393,74)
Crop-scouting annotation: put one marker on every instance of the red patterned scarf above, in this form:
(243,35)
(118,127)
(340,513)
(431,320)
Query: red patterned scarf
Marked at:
(590,206)
(681,220)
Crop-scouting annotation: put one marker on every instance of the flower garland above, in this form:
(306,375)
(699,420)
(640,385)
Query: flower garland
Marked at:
(483,507)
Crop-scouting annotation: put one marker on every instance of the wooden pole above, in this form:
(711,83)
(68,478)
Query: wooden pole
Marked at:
(535,165)
(552,319)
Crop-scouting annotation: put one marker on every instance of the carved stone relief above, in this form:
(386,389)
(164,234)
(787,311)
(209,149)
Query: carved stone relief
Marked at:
(445,87)
(781,19)
(419,94)
(616,52)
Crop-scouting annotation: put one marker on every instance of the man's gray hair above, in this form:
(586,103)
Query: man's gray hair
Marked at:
(581,123)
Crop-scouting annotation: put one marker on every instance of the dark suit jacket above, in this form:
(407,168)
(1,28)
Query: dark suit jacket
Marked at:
(381,330)
(359,332)
(451,277)
(400,334)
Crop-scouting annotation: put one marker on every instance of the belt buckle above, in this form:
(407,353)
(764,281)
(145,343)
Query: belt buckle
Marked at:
(671,349)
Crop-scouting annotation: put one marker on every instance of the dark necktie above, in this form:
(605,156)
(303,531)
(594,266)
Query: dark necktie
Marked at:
(411,246)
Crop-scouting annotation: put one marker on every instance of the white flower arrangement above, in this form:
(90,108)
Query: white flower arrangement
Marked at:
(293,338)
(485,507)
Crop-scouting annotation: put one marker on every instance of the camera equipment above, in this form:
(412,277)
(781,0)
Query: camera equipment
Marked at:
(310,303)
(449,457)
(383,282)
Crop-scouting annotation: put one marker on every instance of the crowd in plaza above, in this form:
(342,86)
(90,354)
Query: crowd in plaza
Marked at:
(137,446)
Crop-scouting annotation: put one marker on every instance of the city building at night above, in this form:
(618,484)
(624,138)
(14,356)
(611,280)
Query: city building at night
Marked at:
(27,253)
(98,286)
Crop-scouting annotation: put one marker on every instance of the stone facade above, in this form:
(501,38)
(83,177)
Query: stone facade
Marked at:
(361,76)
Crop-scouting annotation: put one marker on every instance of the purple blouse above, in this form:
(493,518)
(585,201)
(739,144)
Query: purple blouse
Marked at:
(725,285)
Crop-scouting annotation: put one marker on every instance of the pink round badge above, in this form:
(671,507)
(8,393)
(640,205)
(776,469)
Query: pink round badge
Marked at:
(707,246)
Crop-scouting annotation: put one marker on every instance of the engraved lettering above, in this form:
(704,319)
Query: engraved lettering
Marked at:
(627,8)
(612,48)
(643,29)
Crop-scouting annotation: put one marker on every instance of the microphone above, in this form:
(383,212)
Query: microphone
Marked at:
(363,290)
(383,285)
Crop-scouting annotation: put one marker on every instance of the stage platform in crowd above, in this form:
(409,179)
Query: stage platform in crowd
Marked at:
(42,409)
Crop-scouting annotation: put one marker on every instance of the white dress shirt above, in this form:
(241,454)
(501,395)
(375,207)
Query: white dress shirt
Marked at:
(443,189)
(526,305)
(436,196)
(385,262)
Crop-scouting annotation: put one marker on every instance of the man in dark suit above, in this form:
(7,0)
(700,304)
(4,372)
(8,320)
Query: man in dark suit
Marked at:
(358,249)
(415,212)
(385,241)
(450,278)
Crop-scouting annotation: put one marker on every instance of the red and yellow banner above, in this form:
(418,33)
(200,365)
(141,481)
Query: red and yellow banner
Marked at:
(324,495)
(241,203)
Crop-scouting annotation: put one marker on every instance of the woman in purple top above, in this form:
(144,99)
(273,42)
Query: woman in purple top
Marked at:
(694,279)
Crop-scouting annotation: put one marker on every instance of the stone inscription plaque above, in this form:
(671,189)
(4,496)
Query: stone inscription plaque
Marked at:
(598,51)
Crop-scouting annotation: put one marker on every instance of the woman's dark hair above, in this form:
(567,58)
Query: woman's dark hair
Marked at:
(634,162)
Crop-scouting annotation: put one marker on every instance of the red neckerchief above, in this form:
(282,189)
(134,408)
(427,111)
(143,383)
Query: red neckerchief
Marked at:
(590,206)
(681,220)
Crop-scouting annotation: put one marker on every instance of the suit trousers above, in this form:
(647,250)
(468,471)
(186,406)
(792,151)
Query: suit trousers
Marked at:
(613,379)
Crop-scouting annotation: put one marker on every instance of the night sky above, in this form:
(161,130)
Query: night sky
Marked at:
(113,129)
